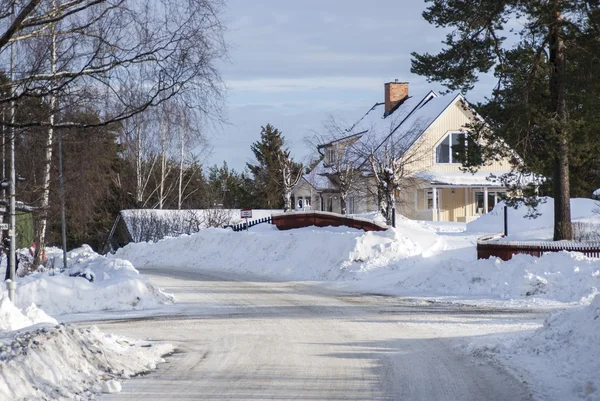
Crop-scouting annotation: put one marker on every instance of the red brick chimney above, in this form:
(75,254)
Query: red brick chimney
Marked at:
(395,92)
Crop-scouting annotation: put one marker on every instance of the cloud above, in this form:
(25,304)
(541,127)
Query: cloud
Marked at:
(302,84)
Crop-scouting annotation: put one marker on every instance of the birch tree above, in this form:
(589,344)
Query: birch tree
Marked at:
(291,172)
(95,49)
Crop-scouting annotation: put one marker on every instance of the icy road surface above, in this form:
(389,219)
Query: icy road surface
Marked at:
(242,339)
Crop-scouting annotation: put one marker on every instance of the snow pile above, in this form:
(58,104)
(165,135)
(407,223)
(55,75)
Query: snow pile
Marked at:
(564,354)
(12,318)
(67,363)
(311,253)
(92,282)
(415,259)
(541,227)
(561,277)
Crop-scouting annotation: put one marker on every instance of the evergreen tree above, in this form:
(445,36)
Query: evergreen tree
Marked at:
(544,105)
(266,172)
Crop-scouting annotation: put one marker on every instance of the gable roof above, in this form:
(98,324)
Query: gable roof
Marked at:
(409,122)
(405,124)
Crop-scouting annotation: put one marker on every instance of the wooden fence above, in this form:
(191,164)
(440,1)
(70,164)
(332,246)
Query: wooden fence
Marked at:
(494,246)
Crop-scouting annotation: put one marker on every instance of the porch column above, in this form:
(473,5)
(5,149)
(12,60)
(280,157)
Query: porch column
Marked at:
(416,200)
(466,203)
(435,205)
(485,200)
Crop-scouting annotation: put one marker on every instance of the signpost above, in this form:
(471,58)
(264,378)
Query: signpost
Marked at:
(246,214)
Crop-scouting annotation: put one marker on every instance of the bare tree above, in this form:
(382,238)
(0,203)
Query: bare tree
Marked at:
(291,173)
(83,54)
(108,43)
(394,158)
(345,161)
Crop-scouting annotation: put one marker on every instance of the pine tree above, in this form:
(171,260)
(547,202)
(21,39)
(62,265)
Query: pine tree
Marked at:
(544,103)
(265,172)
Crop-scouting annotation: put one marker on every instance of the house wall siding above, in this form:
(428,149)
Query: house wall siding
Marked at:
(451,120)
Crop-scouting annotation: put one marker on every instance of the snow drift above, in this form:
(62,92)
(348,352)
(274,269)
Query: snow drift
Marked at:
(67,363)
(412,259)
(92,282)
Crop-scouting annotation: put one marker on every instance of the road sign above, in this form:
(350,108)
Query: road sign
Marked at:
(246,213)
(3,226)
(2,209)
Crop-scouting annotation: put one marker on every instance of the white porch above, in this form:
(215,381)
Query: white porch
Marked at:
(453,203)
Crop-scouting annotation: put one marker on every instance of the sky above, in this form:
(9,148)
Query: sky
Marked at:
(295,63)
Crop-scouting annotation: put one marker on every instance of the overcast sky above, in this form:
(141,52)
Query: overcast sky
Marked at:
(295,62)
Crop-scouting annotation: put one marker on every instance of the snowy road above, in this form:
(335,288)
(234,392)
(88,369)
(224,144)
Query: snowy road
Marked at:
(250,340)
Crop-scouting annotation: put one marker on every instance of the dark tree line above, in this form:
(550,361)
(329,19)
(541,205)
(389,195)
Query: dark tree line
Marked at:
(100,178)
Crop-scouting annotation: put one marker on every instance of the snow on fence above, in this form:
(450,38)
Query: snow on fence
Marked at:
(493,246)
(243,226)
(292,220)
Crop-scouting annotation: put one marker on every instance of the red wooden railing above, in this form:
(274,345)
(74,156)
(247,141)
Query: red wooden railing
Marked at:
(287,221)
(495,246)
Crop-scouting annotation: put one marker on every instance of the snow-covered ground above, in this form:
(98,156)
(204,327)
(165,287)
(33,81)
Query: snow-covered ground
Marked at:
(41,360)
(418,259)
(432,260)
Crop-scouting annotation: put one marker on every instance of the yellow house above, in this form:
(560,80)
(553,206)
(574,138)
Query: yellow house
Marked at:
(428,128)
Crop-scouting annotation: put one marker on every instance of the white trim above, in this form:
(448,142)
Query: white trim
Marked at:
(438,143)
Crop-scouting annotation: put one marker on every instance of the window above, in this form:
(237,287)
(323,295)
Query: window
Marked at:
(350,204)
(430,199)
(331,155)
(449,149)
(493,199)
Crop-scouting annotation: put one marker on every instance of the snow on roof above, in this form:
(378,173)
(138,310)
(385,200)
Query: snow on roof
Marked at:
(403,126)
(380,126)
(420,119)
(480,178)
(317,177)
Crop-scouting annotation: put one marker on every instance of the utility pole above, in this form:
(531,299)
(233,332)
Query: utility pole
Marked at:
(11,283)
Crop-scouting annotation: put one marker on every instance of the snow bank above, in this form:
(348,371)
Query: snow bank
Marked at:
(12,318)
(562,277)
(410,260)
(302,254)
(92,282)
(67,363)
(563,355)
(522,227)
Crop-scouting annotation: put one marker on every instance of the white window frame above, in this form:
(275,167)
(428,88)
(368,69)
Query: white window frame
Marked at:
(350,204)
(496,193)
(426,198)
(448,134)
(331,153)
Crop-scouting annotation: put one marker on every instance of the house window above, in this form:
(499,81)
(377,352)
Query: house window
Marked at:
(449,149)
(493,199)
(331,155)
(430,199)
(350,204)
(329,204)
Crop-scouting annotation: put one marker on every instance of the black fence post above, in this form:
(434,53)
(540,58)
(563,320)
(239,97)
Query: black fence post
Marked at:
(505,220)
(394,217)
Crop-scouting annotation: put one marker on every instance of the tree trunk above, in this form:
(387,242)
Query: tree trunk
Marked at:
(181,158)
(139,188)
(562,196)
(343,204)
(43,222)
(163,160)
